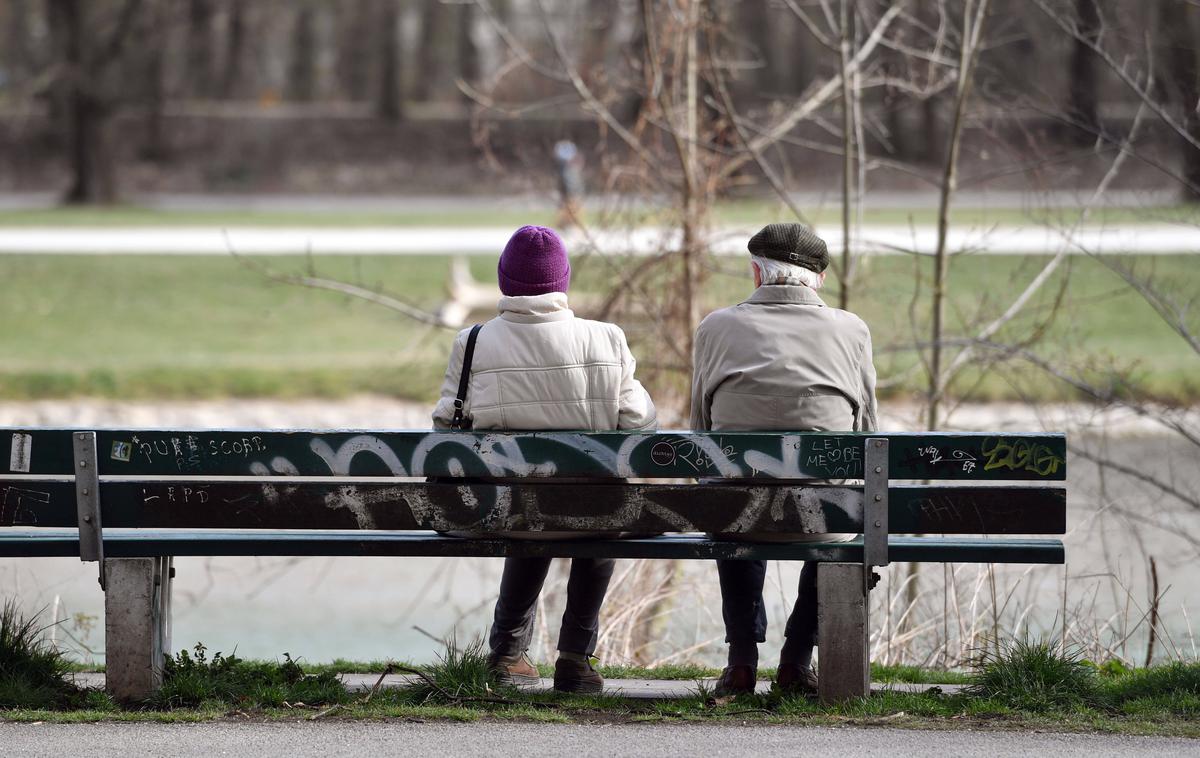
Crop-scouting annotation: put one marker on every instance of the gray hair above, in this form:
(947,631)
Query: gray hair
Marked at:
(771,271)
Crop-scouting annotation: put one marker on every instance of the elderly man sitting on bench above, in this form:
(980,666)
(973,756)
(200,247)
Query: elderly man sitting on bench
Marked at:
(780,360)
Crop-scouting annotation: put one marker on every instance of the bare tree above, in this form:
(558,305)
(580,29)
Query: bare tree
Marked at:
(436,40)
(390,99)
(90,39)
(235,49)
(974,15)
(468,51)
(302,69)
(1082,94)
(200,55)
(356,27)
(1180,27)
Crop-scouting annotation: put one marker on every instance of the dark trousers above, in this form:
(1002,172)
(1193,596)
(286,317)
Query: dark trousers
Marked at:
(742,604)
(516,608)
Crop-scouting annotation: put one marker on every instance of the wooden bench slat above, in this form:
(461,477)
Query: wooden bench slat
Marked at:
(151,542)
(732,508)
(800,455)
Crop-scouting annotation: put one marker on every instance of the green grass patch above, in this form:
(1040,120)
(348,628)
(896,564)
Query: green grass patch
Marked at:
(917,675)
(344,666)
(177,327)
(460,675)
(1025,685)
(33,675)
(1172,688)
(192,680)
(1035,676)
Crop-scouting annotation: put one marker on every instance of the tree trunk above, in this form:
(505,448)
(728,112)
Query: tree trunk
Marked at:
(1082,103)
(798,66)
(849,147)
(152,65)
(756,26)
(355,31)
(234,49)
(468,51)
(17,58)
(88,148)
(598,21)
(1179,24)
(94,180)
(391,100)
(302,71)
(430,49)
(200,49)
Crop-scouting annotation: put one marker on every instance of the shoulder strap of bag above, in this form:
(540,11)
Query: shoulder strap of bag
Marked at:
(464,379)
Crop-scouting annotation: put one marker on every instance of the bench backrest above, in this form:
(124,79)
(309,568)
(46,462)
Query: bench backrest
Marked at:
(354,480)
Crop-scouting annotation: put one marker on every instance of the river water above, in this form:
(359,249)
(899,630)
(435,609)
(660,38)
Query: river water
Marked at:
(376,608)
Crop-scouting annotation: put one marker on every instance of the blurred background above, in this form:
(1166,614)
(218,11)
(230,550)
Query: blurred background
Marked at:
(221,213)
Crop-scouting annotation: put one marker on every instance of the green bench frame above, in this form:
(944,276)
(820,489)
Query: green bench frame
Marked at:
(133,499)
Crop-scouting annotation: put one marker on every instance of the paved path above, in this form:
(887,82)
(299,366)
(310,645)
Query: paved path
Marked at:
(1145,239)
(213,202)
(635,689)
(322,739)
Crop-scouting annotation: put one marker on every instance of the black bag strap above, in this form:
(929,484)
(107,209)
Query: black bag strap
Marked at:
(464,379)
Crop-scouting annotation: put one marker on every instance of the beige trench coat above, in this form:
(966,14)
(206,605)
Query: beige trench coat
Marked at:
(783,360)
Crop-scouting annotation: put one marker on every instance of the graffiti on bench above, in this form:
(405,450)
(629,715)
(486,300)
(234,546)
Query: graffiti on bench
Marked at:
(750,455)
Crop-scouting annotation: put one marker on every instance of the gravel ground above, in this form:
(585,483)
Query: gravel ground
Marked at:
(301,739)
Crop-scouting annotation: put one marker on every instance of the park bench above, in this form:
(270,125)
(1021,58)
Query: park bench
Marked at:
(133,499)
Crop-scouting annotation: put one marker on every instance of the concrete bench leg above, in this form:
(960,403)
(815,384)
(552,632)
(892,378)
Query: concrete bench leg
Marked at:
(137,625)
(842,632)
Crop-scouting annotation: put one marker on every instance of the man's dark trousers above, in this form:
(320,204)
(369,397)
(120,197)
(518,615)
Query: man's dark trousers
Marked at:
(746,617)
(516,608)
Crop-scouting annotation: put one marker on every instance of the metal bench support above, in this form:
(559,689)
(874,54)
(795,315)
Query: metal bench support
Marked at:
(842,632)
(87,499)
(137,625)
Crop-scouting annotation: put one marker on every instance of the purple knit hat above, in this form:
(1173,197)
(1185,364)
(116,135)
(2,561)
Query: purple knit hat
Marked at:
(534,262)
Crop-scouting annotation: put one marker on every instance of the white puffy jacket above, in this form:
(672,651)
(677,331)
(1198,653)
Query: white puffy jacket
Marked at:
(538,367)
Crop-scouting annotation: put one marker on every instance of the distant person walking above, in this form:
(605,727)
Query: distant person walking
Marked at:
(535,367)
(570,182)
(780,360)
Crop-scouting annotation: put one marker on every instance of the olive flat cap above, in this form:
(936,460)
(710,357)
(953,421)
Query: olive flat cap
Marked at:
(791,243)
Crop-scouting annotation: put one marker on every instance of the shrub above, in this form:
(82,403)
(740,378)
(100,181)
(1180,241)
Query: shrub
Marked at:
(192,679)
(32,673)
(1034,676)
(461,672)
(1175,683)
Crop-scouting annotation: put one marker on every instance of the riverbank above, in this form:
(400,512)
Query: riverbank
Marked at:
(382,412)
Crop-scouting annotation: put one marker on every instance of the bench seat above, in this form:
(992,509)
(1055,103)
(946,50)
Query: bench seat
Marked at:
(146,543)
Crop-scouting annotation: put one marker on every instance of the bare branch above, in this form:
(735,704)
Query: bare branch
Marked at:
(591,102)
(1143,92)
(818,98)
(362,293)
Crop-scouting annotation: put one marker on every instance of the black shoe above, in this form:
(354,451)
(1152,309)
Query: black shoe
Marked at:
(794,679)
(736,680)
(572,675)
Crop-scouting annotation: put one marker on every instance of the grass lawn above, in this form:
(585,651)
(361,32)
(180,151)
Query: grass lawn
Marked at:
(194,326)
(1021,691)
(748,212)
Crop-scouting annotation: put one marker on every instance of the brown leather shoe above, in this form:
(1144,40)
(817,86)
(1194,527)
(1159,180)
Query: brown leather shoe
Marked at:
(736,680)
(573,675)
(512,670)
(794,679)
